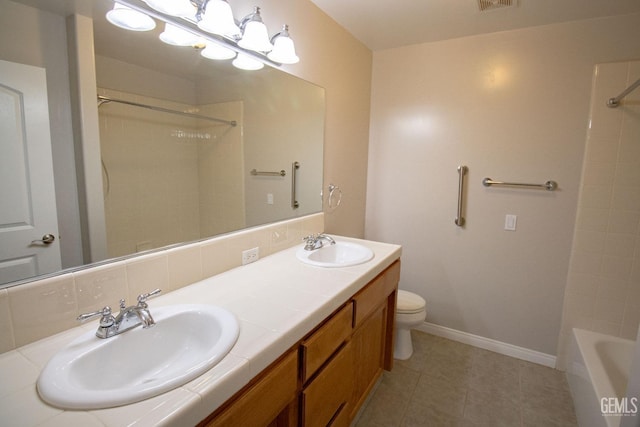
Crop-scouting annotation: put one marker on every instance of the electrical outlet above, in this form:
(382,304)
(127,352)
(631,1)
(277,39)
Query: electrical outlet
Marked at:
(250,255)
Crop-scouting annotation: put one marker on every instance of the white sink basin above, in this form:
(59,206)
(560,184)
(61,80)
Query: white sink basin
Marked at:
(94,373)
(342,254)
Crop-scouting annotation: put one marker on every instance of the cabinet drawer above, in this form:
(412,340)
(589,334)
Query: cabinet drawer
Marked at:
(322,343)
(375,293)
(327,397)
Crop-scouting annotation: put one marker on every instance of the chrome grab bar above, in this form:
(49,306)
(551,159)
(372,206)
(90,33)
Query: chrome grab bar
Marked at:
(462,171)
(255,172)
(549,185)
(294,167)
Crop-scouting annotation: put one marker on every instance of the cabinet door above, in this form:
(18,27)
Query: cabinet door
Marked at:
(368,355)
(327,397)
(266,402)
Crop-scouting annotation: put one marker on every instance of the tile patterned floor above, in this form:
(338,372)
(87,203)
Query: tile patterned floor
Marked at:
(446,383)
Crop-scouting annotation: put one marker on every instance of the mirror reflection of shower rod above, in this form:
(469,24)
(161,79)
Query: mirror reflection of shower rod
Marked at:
(614,102)
(106,99)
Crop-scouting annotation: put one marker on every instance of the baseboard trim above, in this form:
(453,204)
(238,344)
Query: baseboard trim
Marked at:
(489,344)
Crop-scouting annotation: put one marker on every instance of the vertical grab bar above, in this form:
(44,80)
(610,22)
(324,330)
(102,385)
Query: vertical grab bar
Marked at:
(462,171)
(294,167)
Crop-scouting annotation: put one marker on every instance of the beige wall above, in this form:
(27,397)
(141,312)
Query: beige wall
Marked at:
(603,289)
(512,106)
(332,58)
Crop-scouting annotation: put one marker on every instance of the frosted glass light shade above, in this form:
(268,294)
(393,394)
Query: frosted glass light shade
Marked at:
(218,19)
(255,37)
(283,51)
(129,19)
(245,62)
(173,7)
(215,51)
(178,37)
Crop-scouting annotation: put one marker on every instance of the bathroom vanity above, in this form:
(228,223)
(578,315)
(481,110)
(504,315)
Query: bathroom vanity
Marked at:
(324,379)
(312,343)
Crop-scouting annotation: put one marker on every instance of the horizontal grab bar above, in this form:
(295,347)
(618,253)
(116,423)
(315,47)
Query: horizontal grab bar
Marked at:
(549,185)
(263,173)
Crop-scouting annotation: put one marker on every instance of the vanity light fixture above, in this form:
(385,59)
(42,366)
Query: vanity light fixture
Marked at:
(217,52)
(218,19)
(245,62)
(178,37)
(182,8)
(209,24)
(254,33)
(283,49)
(129,19)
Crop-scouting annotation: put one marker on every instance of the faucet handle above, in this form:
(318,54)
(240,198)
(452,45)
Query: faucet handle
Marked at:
(309,237)
(142,298)
(105,321)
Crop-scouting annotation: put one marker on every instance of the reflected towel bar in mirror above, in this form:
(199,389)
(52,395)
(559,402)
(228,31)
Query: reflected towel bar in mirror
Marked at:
(264,173)
(549,185)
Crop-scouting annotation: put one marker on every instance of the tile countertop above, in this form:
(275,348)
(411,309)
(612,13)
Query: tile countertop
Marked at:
(277,301)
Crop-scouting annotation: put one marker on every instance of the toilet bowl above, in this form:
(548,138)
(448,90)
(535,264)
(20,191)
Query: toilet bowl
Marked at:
(410,312)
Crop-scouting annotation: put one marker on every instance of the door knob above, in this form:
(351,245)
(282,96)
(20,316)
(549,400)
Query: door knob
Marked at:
(46,239)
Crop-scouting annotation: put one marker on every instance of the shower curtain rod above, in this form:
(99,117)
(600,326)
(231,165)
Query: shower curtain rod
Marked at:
(614,102)
(105,99)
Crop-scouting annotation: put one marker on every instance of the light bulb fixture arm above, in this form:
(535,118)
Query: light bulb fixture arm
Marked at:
(253,16)
(284,33)
(201,6)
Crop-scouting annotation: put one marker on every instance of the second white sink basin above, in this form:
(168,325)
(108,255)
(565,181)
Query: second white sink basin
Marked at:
(341,254)
(93,373)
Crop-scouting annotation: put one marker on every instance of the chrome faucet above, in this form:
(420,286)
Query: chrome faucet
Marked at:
(127,318)
(315,241)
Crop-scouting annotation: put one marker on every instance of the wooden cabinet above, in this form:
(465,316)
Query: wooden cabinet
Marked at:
(316,349)
(328,394)
(269,400)
(324,380)
(368,356)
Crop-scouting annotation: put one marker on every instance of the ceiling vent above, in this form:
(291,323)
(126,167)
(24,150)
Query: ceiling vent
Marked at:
(495,4)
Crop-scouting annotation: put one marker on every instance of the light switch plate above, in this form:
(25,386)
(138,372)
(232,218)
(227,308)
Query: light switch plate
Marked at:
(510,222)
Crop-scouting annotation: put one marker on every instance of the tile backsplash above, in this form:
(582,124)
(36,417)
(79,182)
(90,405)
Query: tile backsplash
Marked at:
(41,308)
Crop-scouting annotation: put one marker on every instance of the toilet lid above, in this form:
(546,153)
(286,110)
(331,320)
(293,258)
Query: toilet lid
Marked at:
(408,302)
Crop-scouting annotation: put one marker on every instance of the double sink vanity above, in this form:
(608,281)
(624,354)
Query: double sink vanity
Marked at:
(297,338)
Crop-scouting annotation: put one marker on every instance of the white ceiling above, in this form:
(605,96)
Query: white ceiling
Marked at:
(383,24)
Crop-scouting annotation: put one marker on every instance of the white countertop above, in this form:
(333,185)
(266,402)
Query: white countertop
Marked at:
(277,300)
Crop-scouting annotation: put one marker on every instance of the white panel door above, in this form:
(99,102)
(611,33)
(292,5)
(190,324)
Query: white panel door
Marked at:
(27,199)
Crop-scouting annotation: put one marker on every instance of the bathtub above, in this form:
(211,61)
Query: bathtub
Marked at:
(598,368)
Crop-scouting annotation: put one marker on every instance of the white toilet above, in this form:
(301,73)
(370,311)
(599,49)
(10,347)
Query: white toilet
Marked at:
(410,312)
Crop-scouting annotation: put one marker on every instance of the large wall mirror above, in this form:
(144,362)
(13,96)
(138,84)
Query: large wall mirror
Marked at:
(163,178)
